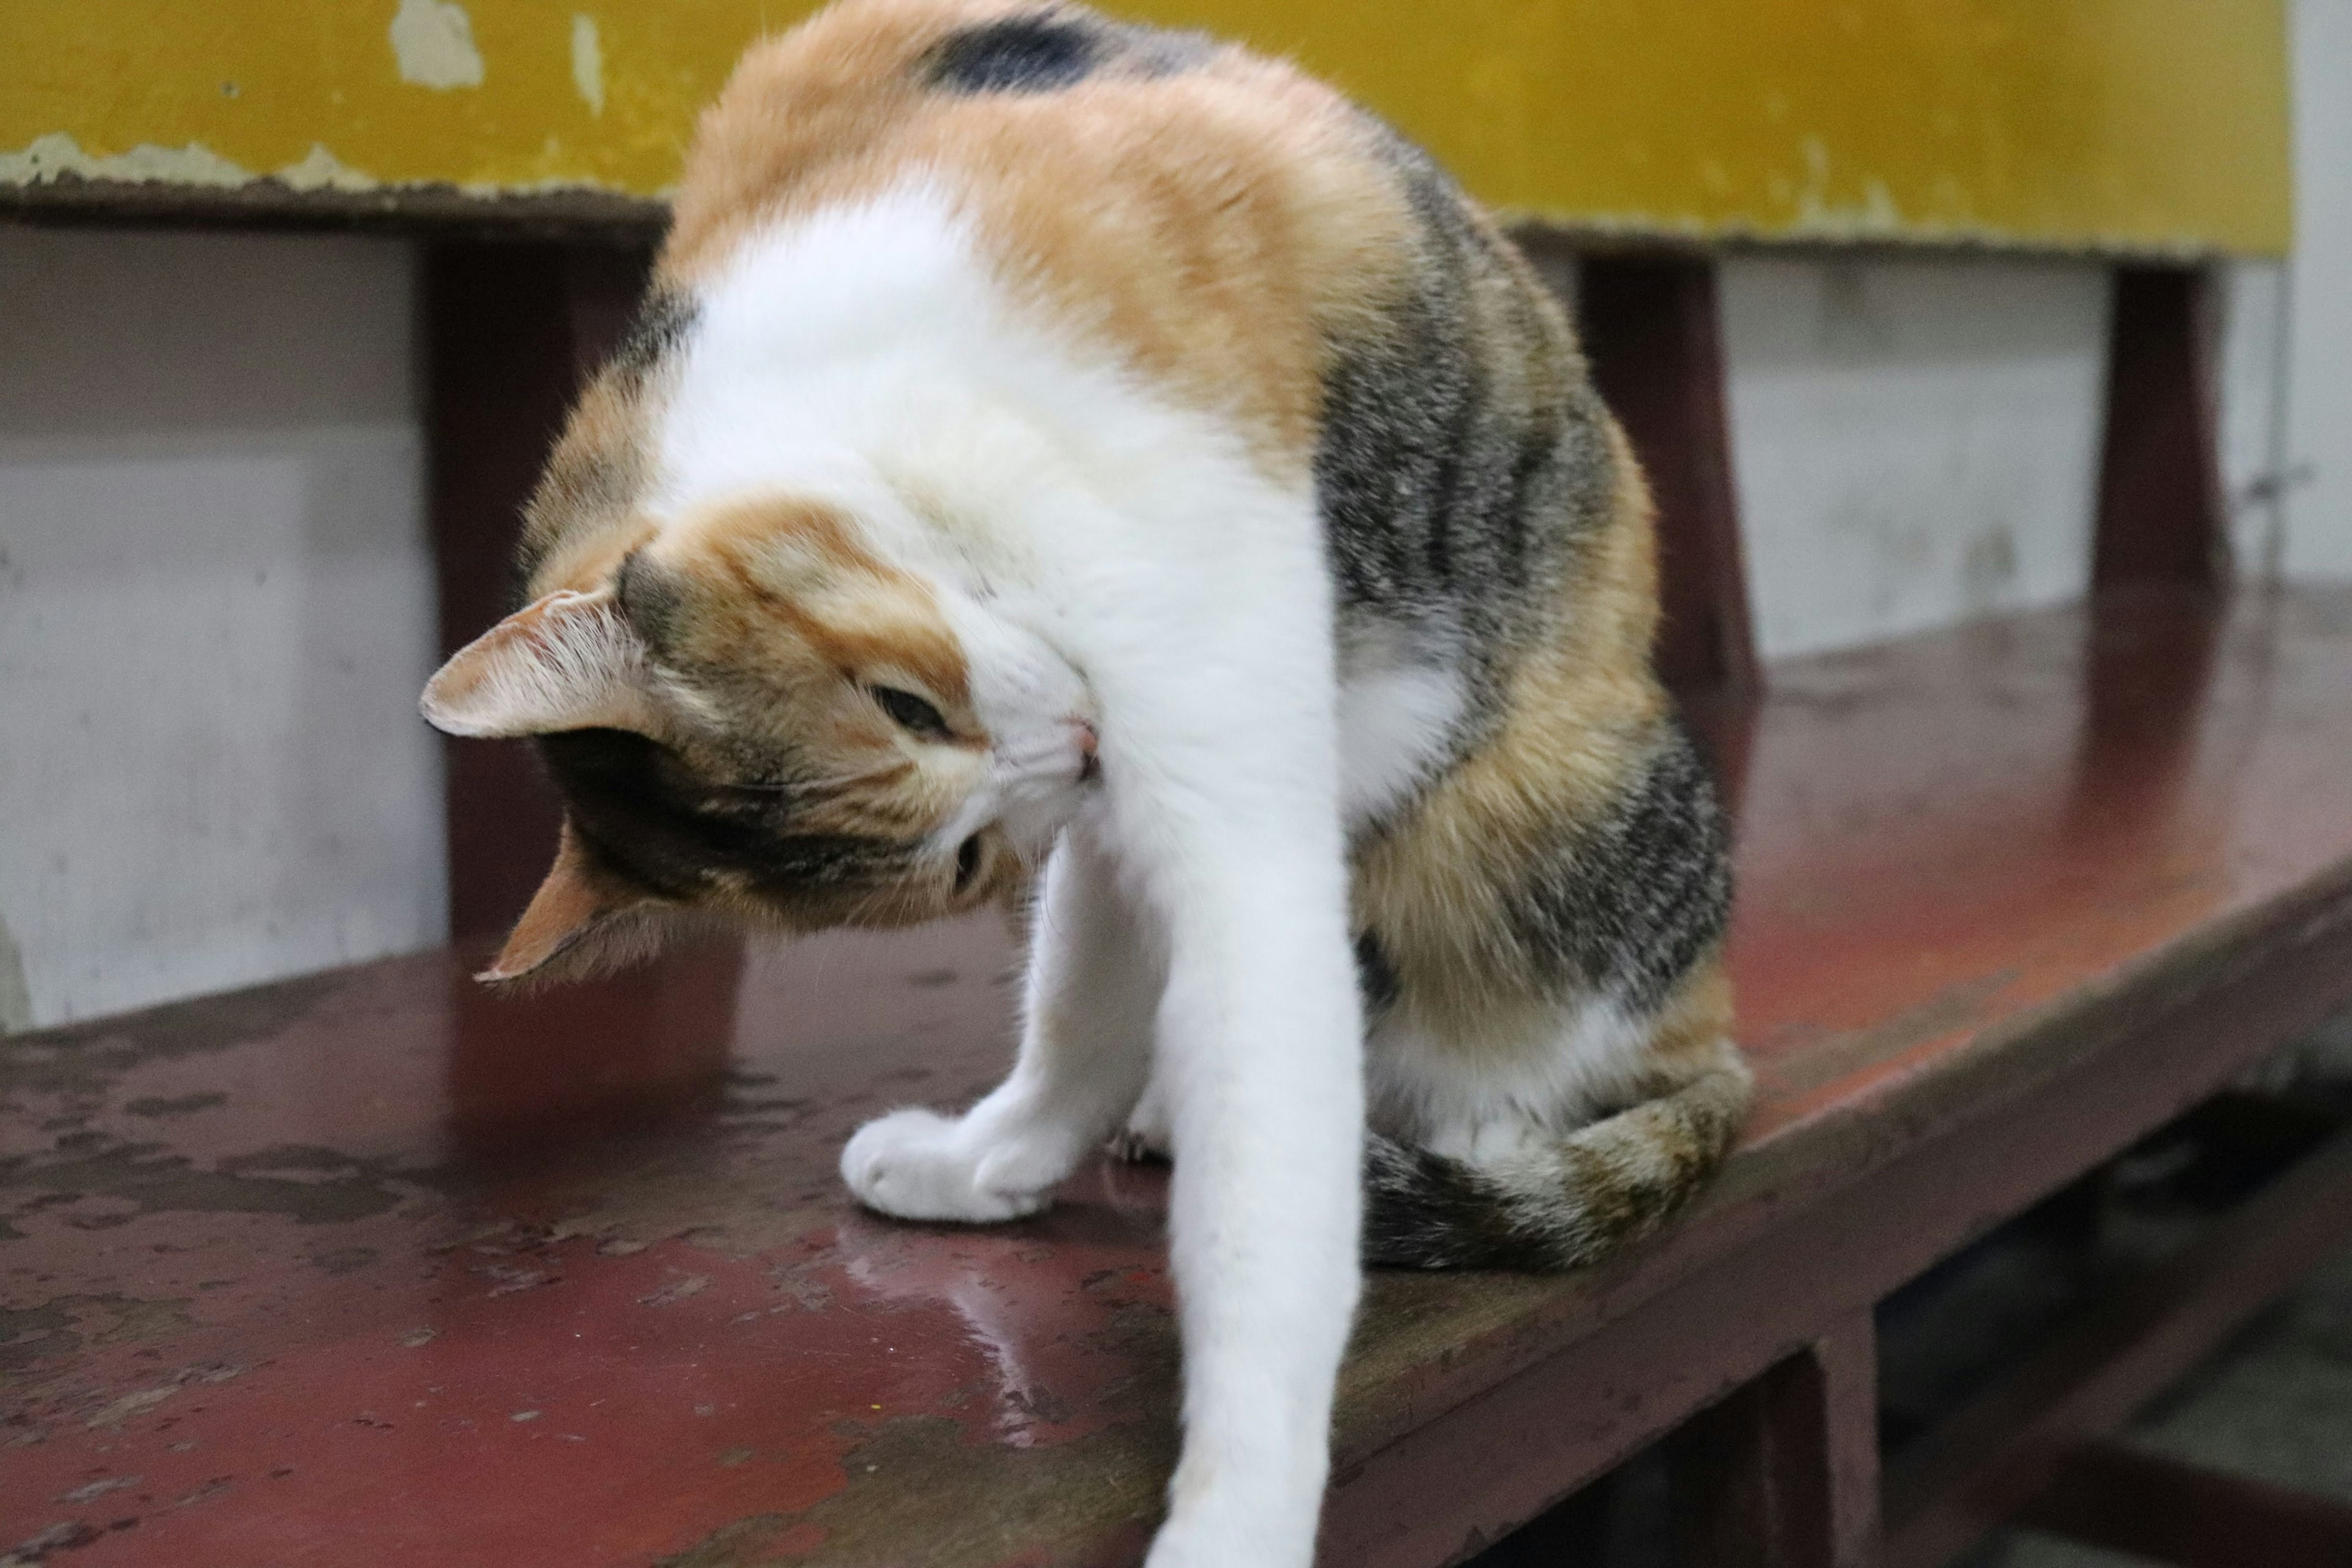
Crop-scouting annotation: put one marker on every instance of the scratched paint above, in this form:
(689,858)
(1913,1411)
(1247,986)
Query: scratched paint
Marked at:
(57,154)
(2141,124)
(588,62)
(433,41)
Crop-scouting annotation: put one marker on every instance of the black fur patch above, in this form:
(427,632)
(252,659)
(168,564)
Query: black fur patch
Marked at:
(1424,1211)
(1604,1185)
(659,329)
(1627,905)
(1042,53)
(652,819)
(1448,504)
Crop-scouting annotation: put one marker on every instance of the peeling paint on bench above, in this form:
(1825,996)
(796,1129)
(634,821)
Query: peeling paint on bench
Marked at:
(2116,125)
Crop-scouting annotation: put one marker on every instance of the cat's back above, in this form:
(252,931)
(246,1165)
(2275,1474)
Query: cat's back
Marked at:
(1213,218)
(1248,243)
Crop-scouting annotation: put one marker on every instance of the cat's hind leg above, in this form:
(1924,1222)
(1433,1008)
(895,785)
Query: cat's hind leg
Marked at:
(1493,1180)
(1148,1135)
(1094,984)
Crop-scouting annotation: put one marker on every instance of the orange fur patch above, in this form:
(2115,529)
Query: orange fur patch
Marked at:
(1235,216)
(797,566)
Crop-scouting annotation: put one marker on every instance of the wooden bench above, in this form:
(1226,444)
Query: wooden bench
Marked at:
(373,1258)
(370,1267)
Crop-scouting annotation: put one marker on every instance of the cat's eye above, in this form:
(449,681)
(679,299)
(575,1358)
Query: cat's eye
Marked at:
(913,714)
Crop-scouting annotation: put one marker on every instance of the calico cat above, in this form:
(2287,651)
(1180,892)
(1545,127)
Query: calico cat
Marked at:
(1097,469)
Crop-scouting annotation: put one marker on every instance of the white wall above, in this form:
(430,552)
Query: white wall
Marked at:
(2319,395)
(215,611)
(1914,440)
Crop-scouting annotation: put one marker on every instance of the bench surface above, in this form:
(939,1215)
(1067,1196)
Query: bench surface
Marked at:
(372,1268)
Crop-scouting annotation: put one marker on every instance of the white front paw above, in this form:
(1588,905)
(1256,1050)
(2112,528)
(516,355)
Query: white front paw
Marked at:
(918,1164)
(1206,1538)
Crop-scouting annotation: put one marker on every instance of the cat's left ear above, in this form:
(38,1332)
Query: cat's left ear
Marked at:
(570,661)
(573,917)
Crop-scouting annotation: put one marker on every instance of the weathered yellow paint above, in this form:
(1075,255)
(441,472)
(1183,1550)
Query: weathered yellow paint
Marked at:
(2132,124)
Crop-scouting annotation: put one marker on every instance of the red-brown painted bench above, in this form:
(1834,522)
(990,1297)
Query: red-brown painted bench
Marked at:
(372,1267)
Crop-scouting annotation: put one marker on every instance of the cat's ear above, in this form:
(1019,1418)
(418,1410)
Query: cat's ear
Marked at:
(571,661)
(571,917)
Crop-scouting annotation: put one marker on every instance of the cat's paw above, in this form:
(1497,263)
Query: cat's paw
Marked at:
(1129,1148)
(1147,1135)
(918,1164)
(1211,1537)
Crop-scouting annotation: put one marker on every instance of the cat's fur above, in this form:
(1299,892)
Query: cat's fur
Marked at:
(1044,431)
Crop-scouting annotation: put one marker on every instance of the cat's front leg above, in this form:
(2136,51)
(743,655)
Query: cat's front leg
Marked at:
(1094,980)
(1259,1060)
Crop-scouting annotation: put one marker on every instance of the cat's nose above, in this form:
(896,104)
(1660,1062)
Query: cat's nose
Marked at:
(1089,764)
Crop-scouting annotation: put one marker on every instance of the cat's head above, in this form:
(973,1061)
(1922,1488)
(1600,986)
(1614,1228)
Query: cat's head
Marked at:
(751,716)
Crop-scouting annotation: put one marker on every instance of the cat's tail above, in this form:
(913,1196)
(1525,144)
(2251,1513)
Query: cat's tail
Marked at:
(1564,1205)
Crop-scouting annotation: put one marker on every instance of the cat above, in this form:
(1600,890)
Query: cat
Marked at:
(1100,470)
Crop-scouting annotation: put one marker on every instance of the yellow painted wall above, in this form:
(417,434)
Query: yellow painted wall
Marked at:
(2114,123)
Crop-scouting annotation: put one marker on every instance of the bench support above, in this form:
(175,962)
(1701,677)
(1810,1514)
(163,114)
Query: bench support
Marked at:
(1651,327)
(510,331)
(2035,1435)
(2126,1500)
(1784,1473)
(2162,519)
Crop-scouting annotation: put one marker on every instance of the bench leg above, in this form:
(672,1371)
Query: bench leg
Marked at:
(1650,326)
(511,332)
(1998,1453)
(1784,1473)
(2162,518)
(2125,1499)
